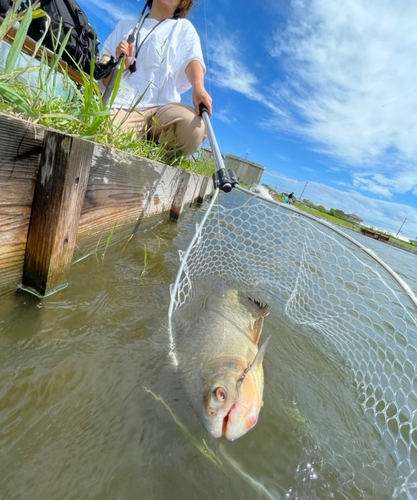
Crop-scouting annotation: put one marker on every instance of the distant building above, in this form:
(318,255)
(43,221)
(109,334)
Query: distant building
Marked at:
(206,155)
(247,172)
(354,218)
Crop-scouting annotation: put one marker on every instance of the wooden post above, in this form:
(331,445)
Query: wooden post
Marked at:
(178,203)
(203,189)
(59,193)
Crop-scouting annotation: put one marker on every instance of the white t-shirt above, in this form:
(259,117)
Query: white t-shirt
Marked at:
(160,66)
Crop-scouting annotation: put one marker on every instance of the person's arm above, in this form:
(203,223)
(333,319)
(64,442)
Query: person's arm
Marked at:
(195,74)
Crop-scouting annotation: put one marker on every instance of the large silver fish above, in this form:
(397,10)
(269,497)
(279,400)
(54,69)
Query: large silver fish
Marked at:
(219,364)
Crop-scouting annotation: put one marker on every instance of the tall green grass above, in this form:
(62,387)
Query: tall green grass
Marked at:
(36,93)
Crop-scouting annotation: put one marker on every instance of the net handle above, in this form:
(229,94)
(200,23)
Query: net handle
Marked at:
(223,179)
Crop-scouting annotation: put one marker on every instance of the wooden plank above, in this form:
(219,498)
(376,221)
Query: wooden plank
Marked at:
(123,190)
(20,146)
(192,190)
(203,189)
(125,194)
(179,198)
(59,193)
(20,150)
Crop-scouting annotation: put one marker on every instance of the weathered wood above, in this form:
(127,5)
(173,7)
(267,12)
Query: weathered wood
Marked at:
(203,190)
(179,198)
(123,190)
(125,194)
(60,189)
(192,190)
(20,147)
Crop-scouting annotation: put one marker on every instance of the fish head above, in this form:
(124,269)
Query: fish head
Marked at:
(220,396)
(232,405)
(245,412)
(233,399)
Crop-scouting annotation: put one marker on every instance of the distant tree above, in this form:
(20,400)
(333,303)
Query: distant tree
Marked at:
(337,213)
(320,208)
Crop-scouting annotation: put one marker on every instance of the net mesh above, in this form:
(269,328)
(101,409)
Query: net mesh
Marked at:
(330,283)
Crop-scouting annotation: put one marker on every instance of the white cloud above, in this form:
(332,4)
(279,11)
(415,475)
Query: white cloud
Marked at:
(111,12)
(229,71)
(371,185)
(225,116)
(386,215)
(352,77)
(344,79)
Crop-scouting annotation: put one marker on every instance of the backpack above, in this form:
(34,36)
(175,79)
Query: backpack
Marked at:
(5,6)
(82,46)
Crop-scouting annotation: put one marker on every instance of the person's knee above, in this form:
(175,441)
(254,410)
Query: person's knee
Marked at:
(181,128)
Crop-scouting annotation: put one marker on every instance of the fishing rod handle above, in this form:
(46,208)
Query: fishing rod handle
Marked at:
(110,86)
(109,89)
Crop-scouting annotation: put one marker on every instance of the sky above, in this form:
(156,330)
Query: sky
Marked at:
(322,93)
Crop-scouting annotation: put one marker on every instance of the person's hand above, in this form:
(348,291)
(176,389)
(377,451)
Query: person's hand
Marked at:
(125,48)
(201,96)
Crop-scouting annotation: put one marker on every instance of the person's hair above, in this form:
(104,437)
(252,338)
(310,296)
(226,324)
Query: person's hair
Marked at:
(182,10)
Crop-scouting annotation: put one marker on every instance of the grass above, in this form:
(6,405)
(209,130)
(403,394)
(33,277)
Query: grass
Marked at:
(346,223)
(35,93)
(201,446)
(328,217)
(145,260)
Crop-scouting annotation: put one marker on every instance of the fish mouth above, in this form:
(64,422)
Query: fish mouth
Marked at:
(226,419)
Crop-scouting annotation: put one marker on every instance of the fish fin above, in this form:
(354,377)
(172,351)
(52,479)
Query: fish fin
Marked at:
(260,355)
(261,310)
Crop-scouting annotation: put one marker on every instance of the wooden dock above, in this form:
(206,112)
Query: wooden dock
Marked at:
(375,236)
(61,197)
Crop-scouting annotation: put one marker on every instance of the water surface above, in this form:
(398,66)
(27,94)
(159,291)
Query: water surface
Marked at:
(77,422)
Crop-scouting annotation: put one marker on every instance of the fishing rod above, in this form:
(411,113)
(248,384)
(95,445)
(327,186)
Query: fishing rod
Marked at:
(130,39)
(109,89)
(224,178)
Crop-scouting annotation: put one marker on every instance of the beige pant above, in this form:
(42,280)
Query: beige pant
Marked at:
(175,126)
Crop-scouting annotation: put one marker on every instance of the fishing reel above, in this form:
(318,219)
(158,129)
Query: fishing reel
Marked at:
(104,66)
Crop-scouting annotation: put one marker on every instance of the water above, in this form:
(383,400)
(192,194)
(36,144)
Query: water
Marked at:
(77,422)
(402,262)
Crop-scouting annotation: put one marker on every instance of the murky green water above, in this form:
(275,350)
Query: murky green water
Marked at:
(77,423)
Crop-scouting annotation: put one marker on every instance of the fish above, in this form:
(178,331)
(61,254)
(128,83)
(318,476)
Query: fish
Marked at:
(219,364)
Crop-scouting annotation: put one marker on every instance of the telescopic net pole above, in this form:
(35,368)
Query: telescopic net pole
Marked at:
(223,179)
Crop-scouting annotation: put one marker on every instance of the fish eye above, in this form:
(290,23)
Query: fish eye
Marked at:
(220,394)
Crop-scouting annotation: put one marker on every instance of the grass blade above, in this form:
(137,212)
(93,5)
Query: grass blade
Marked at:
(19,40)
(19,102)
(201,446)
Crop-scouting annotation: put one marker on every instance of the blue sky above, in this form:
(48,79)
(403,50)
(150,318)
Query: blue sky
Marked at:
(322,93)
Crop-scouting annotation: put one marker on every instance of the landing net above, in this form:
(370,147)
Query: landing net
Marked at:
(328,281)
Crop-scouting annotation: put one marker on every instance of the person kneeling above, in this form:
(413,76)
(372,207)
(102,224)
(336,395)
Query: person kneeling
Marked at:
(164,61)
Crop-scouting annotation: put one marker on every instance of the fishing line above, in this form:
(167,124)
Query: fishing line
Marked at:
(206,37)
